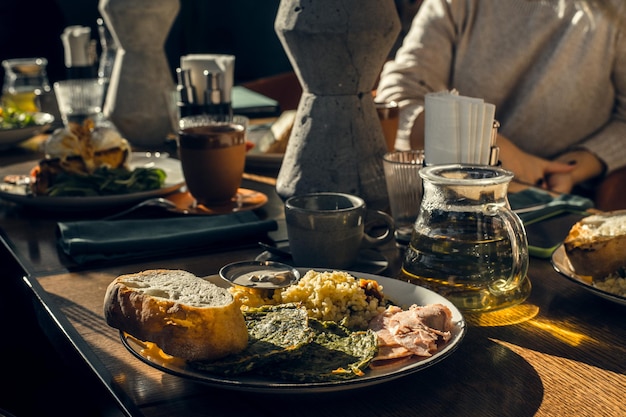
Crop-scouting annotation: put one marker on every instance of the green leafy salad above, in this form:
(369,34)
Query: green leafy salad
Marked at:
(105,181)
(285,343)
(15,119)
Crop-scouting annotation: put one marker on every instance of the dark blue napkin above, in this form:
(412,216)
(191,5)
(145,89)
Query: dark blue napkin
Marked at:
(97,240)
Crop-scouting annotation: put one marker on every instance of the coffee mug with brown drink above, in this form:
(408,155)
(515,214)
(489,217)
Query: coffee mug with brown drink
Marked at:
(212,155)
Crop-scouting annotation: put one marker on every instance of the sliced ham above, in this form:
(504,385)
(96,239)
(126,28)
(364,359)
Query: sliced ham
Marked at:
(418,331)
(380,324)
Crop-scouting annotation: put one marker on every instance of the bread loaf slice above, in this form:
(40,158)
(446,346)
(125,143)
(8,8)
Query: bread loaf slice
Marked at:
(596,245)
(184,315)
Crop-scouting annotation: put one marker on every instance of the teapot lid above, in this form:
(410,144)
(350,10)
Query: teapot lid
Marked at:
(466,174)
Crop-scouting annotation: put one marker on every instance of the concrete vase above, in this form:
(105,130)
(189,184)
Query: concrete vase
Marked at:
(139,93)
(337,49)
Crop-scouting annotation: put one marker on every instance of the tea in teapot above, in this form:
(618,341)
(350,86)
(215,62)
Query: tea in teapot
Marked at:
(466,243)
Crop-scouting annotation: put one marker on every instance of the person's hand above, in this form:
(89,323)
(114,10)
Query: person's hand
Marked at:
(533,170)
(585,166)
(561,182)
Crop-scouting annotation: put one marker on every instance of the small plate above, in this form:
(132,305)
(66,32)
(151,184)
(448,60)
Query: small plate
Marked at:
(11,137)
(369,261)
(244,200)
(400,292)
(563,266)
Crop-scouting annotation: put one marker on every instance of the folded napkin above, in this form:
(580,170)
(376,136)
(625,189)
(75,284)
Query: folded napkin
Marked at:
(457,129)
(89,241)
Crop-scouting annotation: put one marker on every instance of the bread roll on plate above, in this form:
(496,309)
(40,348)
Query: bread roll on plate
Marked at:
(184,315)
(596,245)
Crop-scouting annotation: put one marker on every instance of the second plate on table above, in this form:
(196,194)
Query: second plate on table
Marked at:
(173,181)
(562,265)
(11,137)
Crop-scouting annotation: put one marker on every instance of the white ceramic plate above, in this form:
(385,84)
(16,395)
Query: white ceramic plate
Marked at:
(399,292)
(10,137)
(562,265)
(173,181)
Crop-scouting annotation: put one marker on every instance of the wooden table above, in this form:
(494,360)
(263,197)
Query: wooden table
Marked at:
(563,352)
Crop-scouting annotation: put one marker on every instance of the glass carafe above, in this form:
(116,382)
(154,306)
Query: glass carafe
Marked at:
(466,243)
(25,81)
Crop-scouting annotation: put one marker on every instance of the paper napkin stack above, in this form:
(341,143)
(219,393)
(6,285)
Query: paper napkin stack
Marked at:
(458,129)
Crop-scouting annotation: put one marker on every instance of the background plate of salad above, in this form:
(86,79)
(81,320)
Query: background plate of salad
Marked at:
(19,192)
(16,126)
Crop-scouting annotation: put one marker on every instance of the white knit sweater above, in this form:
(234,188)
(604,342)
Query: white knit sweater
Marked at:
(555,69)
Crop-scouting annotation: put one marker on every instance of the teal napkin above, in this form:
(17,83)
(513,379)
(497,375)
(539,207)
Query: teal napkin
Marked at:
(97,240)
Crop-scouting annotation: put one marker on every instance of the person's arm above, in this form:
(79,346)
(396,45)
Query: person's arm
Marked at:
(422,65)
(605,150)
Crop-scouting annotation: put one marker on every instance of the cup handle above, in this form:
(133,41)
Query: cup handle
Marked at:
(376,219)
(519,248)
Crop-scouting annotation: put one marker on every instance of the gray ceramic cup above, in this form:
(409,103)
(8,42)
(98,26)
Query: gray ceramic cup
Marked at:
(327,230)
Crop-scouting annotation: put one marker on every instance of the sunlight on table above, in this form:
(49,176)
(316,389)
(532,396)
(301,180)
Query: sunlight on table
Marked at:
(505,317)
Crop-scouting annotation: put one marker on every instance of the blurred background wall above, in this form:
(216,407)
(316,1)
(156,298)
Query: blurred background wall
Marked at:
(244,28)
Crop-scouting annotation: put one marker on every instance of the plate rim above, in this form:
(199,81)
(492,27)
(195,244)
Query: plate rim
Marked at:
(68,202)
(561,264)
(267,256)
(276,386)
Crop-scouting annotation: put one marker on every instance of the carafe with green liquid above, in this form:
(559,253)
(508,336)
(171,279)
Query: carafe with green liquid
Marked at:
(467,244)
(25,82)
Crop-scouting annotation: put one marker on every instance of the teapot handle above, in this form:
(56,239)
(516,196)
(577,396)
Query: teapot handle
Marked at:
(519,250)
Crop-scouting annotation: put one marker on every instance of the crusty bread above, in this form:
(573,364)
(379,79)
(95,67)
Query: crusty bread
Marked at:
(596,245)
(186,316)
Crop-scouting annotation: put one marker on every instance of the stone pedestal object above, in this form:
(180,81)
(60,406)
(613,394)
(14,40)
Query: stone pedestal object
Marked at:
(139,92)
(337,49)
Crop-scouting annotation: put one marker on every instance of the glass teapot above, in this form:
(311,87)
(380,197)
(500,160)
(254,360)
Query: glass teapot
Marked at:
(466,243)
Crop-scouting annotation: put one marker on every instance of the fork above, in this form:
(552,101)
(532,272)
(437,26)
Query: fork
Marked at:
(151,202)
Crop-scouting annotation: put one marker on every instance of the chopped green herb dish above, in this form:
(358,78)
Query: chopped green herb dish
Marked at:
(105,181)
(286,343)
(15,119)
